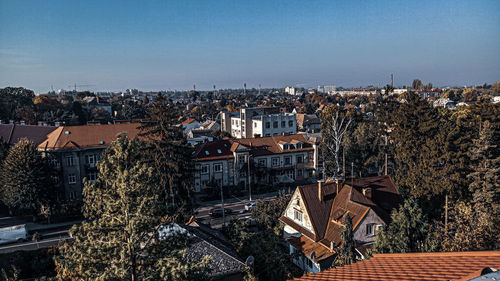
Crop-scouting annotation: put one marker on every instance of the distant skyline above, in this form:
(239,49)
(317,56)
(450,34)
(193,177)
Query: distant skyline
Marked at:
(171,45)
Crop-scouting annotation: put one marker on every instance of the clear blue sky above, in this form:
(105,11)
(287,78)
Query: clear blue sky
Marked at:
(154,45)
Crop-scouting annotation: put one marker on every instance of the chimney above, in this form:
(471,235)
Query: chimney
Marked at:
(367,192)
(320,190)
(331,246)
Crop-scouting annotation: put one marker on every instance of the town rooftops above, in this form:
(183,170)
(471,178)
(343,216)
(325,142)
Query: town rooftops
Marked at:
(69,137)
(12,133)
(188,121)
(414,266)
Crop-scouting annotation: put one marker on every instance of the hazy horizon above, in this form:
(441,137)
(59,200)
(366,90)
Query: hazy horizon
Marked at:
(171,45)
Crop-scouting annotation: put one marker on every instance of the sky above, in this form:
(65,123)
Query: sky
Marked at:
(173,45)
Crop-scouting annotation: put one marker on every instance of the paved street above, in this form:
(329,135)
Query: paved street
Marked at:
(54,239)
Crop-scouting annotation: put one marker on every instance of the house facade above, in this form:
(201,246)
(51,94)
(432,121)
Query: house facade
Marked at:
(314,218)
(75,151)
(267,160)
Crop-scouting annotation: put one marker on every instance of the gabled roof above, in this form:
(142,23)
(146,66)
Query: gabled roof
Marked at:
(327,216)
(12,133)
(68,137)
(413,266)
(188,121)
(213,150)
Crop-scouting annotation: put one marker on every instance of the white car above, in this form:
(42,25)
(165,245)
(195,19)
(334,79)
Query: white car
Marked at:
(250,206)
(15,233)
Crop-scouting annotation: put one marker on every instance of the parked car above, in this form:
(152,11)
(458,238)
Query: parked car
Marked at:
(217,212)
(249,206)
(16,233)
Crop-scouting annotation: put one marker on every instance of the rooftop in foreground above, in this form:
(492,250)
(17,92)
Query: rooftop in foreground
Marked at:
(414,266)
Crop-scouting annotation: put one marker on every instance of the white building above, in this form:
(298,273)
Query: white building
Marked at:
(258,122)
(327,89)
(290,90)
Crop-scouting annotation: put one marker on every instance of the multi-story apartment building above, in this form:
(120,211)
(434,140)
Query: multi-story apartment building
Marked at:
(77,149)
(258,122)
(266,160)
(327,89)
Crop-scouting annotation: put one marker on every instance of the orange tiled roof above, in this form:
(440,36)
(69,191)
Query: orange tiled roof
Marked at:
(68,137)
(413,266)
(188,121)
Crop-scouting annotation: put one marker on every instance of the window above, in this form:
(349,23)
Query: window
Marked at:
(275,161)
(290,123)
(268,125)
(54,163)
(241,158)
(370,229)
(255,125)
(262,162)
(300,159)
(275,124)
(218,167)
(300,173)
(288,160)
(299,145)
(243,115)
(297,215)
(90,160)
(204,169)
(71,179)
(286,147)
(309,263)
(283,124)
(72,195)
(70,161)
(92,177)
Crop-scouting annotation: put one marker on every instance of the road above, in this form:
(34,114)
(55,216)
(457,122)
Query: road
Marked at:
(53,239)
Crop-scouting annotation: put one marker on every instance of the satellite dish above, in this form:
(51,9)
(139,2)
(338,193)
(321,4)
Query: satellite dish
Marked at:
(250,260)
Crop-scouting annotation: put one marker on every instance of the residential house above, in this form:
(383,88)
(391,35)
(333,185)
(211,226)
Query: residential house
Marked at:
(77,149)
(452,266)
(268,160)
(315,214)
(224,264)
(309,123)
(189,124)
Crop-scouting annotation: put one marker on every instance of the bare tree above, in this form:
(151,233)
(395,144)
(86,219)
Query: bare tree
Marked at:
(334,126)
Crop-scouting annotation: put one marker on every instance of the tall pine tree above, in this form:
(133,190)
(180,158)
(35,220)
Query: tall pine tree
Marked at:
(170,156)
(123,210)
(25,179)
(347,254)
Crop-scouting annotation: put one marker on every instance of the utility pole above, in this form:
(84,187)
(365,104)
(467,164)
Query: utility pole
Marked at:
(222,201)
(249,179)
(446,213)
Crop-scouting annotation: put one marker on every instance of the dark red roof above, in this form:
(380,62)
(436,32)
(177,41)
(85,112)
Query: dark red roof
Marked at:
(12,133)
(413,266)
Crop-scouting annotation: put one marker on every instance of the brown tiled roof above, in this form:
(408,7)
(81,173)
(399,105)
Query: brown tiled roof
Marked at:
(413,266)
(308,246)
(67,137)
(12,133)
(318,211)
(210,150)
(188,121)
(256,146)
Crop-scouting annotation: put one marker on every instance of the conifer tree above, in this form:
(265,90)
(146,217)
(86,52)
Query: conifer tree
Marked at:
(473,225)
(25,179)
(123,210)
(407,231)
(347,254)
(170,156)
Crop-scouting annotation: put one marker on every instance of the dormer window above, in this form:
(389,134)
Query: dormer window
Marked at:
(299,145)
(219,151)
(207,153)
(286,147)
